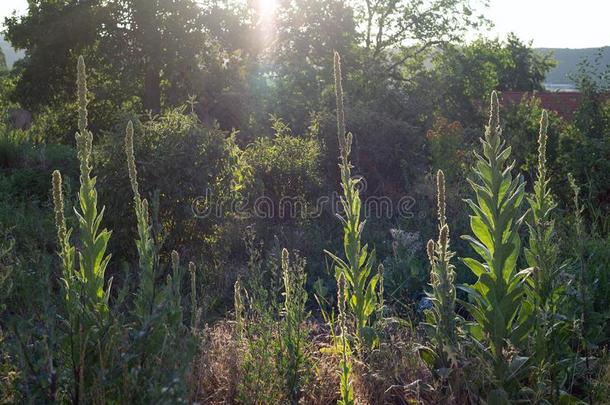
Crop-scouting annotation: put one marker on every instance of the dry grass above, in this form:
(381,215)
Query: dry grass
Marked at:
(216,369)
(391,374)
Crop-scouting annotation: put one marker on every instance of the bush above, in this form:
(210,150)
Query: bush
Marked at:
(285,177)
(179,160)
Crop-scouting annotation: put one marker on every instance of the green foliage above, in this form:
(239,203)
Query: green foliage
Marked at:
(470,72)
(3,66)
(64,337)
(522,126)
(284,172)
(276,361)
(582,151)
(405,272)
(184,160)
(446,141)
(498,293)
(130,42)
(361,280)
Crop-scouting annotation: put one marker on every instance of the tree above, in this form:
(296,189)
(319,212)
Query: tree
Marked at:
(156,43)
(299,57)
(53,33)
(145,47)
(397,31)
(467,74)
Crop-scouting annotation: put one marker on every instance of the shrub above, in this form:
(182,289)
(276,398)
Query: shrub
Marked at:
(285,171)
(180,160)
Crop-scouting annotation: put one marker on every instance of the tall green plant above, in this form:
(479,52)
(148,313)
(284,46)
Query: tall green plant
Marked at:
(442,316)
(145,298)
(92,256)
(549,350)
(85,295)
(499,290)
(581,265)
(361,280)
(542,252)
(345,364)
(292,333)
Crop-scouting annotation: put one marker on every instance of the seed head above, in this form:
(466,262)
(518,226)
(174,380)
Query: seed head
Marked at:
(542,140)
(82,94)
(131,161)
(58,203)
(285,259)
(494,112)
(175,261)
(145,209)
(444,237)
(440,187)
(430,247)
(339,99)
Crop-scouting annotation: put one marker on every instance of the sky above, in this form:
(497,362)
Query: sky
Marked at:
(548,23)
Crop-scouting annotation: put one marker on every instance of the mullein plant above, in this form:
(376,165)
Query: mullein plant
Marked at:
(345,365)
(145,297)
(441,318)
(85,293)
(292,333)
(92,256)
(550,330)
(579,253)
(360,278)
(496,297)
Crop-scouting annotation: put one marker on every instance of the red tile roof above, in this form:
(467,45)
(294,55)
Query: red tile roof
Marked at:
(564,103)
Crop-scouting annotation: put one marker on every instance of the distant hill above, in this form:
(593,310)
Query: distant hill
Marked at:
(10,54)
(568,60)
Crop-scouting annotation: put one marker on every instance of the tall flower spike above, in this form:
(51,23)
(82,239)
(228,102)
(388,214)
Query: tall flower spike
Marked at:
(440,187)
(84,139)
(175,261)
(444,239)
(131,162)
(339,98)
(145,210)
(82,95)
(285,259)
(494,114)
(286,273)
(58,203)
(542,140)
(430,247)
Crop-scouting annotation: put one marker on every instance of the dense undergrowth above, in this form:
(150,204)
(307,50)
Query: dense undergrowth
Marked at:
(125,278)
